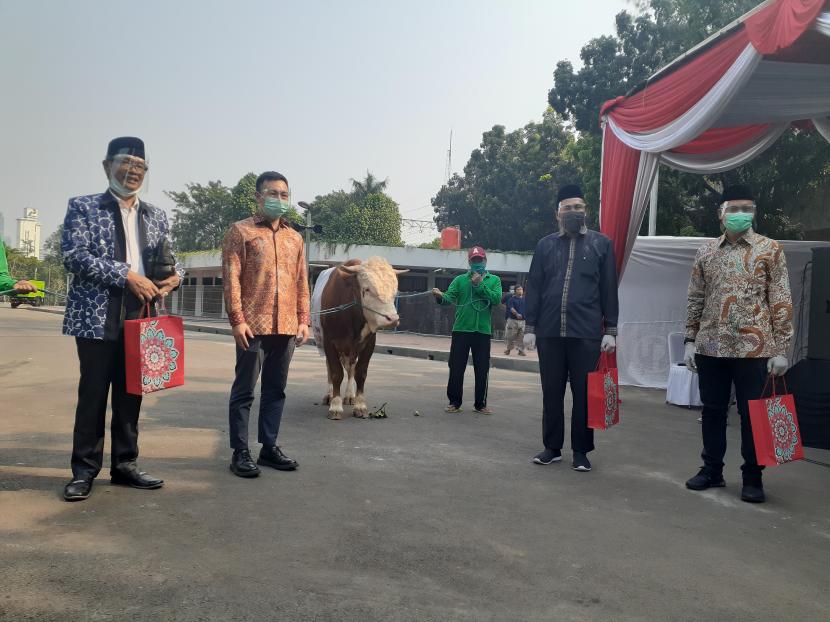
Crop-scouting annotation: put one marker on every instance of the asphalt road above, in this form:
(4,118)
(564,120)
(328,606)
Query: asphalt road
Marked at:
(430,517)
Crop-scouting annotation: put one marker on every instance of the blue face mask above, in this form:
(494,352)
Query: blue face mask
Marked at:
(480,267)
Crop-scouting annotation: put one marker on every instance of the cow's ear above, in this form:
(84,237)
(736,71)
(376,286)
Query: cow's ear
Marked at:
(348,270)
(404,271)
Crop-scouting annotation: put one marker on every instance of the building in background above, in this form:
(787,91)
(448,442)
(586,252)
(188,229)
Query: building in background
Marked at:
(28,233)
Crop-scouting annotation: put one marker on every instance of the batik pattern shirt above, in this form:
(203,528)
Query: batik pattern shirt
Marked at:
(264,277)
(739,303)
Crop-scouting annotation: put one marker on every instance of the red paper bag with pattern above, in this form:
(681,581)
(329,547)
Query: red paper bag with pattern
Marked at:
(154,352)
(603,396)
(775,428)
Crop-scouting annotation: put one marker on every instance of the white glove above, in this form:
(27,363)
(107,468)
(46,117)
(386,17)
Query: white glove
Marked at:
(529,341)
(689,356)
(777,365)
(609,344)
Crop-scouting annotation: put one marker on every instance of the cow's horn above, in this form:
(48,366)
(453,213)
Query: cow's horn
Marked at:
(404,271)
(349,269)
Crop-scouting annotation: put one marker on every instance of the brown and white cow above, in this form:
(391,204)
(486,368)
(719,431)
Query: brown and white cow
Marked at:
(349,335)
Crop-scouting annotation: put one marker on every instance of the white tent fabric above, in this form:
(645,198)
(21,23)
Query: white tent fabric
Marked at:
(823,127)
(780,92)
(653,303)
(823,24)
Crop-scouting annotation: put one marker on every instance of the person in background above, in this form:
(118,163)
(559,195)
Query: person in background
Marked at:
(266,294)
(738,330)
(473,293)
(8,283)
(514,326)
(572,307)
(114,245)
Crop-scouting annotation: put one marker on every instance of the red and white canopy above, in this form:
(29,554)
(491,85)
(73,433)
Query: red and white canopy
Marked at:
(715,108)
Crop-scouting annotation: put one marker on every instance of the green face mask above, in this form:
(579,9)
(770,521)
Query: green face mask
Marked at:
(274,208)
(479,267)
(738,223)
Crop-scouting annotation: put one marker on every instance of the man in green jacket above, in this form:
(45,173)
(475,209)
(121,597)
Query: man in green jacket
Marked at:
(7,282)
(473,293)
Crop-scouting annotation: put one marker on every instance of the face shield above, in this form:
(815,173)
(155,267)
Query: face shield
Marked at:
(274,202)
(128,174)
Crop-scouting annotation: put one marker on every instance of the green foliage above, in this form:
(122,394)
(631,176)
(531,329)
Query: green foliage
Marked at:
(364,216)
(505,198)
(435,244)
(372,219)
(369,185)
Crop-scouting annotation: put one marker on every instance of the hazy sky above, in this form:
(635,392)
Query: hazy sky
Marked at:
(321,91)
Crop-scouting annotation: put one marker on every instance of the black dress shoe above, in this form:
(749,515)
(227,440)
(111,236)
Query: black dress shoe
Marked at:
(77,490)
(135,479)
(273,457)
(704,479)
(242,464)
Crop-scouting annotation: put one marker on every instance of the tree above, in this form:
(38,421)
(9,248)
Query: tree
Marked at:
(358,217)
(783,178)
(370,185)
(372,219)
(505,198)
(52,246)
(201,216)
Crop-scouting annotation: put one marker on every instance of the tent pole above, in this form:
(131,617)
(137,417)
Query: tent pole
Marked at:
(652,204)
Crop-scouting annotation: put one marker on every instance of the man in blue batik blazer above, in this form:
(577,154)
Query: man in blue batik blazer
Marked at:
(117,248)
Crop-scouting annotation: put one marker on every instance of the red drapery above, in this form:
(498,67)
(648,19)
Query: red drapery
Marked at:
(619,175)
(780,24)
(720,138)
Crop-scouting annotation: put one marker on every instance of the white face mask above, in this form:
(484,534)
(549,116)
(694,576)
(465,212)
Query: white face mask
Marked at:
(117,187)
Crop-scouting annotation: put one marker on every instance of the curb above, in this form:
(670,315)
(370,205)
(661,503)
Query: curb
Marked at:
(407,351)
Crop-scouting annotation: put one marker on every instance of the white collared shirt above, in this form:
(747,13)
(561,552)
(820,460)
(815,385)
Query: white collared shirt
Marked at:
(129,216)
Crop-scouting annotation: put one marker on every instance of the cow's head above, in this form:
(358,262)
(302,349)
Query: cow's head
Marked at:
(377,282)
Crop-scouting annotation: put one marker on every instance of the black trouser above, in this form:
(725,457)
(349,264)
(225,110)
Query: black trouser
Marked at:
(270,354)
(460,347)
(716,376)
(102,365)
(561,359)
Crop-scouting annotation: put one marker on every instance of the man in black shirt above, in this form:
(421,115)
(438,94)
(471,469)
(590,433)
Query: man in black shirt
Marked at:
(571,303)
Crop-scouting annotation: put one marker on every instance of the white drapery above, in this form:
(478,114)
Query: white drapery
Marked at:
(823,24)
(726,160)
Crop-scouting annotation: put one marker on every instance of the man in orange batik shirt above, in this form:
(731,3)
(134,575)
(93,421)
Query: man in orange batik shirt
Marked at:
(267,300)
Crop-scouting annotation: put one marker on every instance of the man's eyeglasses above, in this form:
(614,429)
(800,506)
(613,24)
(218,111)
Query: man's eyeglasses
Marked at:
(130,163)
(748,208)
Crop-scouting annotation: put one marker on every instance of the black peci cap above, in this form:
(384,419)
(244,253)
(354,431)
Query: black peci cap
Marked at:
(570,191)
(126,145)
(737,192)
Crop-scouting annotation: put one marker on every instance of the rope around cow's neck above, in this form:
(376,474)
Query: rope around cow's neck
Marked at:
(355,303)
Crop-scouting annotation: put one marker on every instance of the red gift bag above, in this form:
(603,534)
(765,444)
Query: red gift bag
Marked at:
(775,428)
(603,396)
(154,351)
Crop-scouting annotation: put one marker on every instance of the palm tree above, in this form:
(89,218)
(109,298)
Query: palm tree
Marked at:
(370,185)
